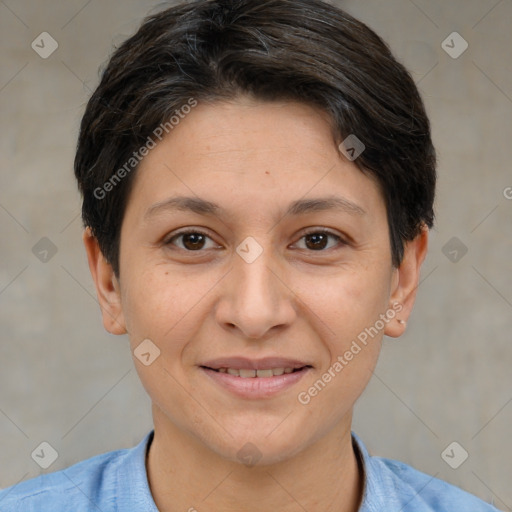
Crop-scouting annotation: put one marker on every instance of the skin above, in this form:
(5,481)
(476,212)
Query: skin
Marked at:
(253,159)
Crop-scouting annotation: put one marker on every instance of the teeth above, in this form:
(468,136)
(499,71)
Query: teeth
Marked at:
(265,373)
(248,374)
(245,374)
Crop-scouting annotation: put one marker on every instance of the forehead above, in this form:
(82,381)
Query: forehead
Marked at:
(245,150)
(247,132)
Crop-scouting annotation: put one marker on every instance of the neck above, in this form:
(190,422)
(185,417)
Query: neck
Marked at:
(184,475)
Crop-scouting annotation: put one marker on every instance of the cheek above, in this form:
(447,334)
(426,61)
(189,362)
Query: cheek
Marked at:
(154,302)
(345,303)
(170,308)
(159,306)
(346,309)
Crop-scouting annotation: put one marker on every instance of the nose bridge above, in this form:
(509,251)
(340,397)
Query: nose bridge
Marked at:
(256,281)
(257,301)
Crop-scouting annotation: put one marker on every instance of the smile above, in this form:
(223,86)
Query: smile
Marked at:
(248,379)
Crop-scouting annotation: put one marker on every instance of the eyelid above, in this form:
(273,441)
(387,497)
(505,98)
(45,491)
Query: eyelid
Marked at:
(321,229)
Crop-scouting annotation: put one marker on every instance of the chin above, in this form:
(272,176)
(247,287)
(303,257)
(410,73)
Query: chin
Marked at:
(259,447)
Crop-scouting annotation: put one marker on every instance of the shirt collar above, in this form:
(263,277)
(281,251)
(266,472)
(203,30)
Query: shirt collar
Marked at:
(133,478)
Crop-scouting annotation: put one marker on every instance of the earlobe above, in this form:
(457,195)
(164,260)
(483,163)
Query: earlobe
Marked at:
(405,282)
(107,285)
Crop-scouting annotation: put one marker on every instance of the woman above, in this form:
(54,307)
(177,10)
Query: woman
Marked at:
(258,181)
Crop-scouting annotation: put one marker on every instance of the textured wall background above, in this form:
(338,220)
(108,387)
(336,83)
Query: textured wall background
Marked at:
(65,381)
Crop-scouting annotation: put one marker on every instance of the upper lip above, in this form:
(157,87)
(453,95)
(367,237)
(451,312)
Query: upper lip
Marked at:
(243,363)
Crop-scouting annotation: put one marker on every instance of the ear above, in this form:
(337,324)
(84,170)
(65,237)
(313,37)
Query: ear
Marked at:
(107,286)
(405,283)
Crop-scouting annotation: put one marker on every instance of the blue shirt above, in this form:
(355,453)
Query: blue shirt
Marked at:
(117,482)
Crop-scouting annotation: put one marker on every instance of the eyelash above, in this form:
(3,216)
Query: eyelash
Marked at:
(315,231)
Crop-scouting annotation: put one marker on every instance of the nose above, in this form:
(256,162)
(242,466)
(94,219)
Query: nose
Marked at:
(255,298)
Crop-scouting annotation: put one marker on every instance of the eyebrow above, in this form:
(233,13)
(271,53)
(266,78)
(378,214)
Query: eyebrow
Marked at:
(299,207)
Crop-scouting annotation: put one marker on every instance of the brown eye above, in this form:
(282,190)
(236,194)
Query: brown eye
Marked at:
(319,240)
(190,240)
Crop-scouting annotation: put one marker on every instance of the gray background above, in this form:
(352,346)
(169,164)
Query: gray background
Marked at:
(65,381)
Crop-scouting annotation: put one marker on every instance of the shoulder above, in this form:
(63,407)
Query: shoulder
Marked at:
(87,485)
(392,484)
(434,494)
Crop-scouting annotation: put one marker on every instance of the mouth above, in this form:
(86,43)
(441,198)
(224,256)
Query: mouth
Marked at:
(255,379)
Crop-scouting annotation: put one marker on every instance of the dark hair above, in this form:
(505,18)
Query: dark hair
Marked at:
(302,50)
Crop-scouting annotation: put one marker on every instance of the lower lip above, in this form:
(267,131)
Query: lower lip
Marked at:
(256,387)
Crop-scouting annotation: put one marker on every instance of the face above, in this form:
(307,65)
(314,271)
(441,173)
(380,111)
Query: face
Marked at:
(256,290)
